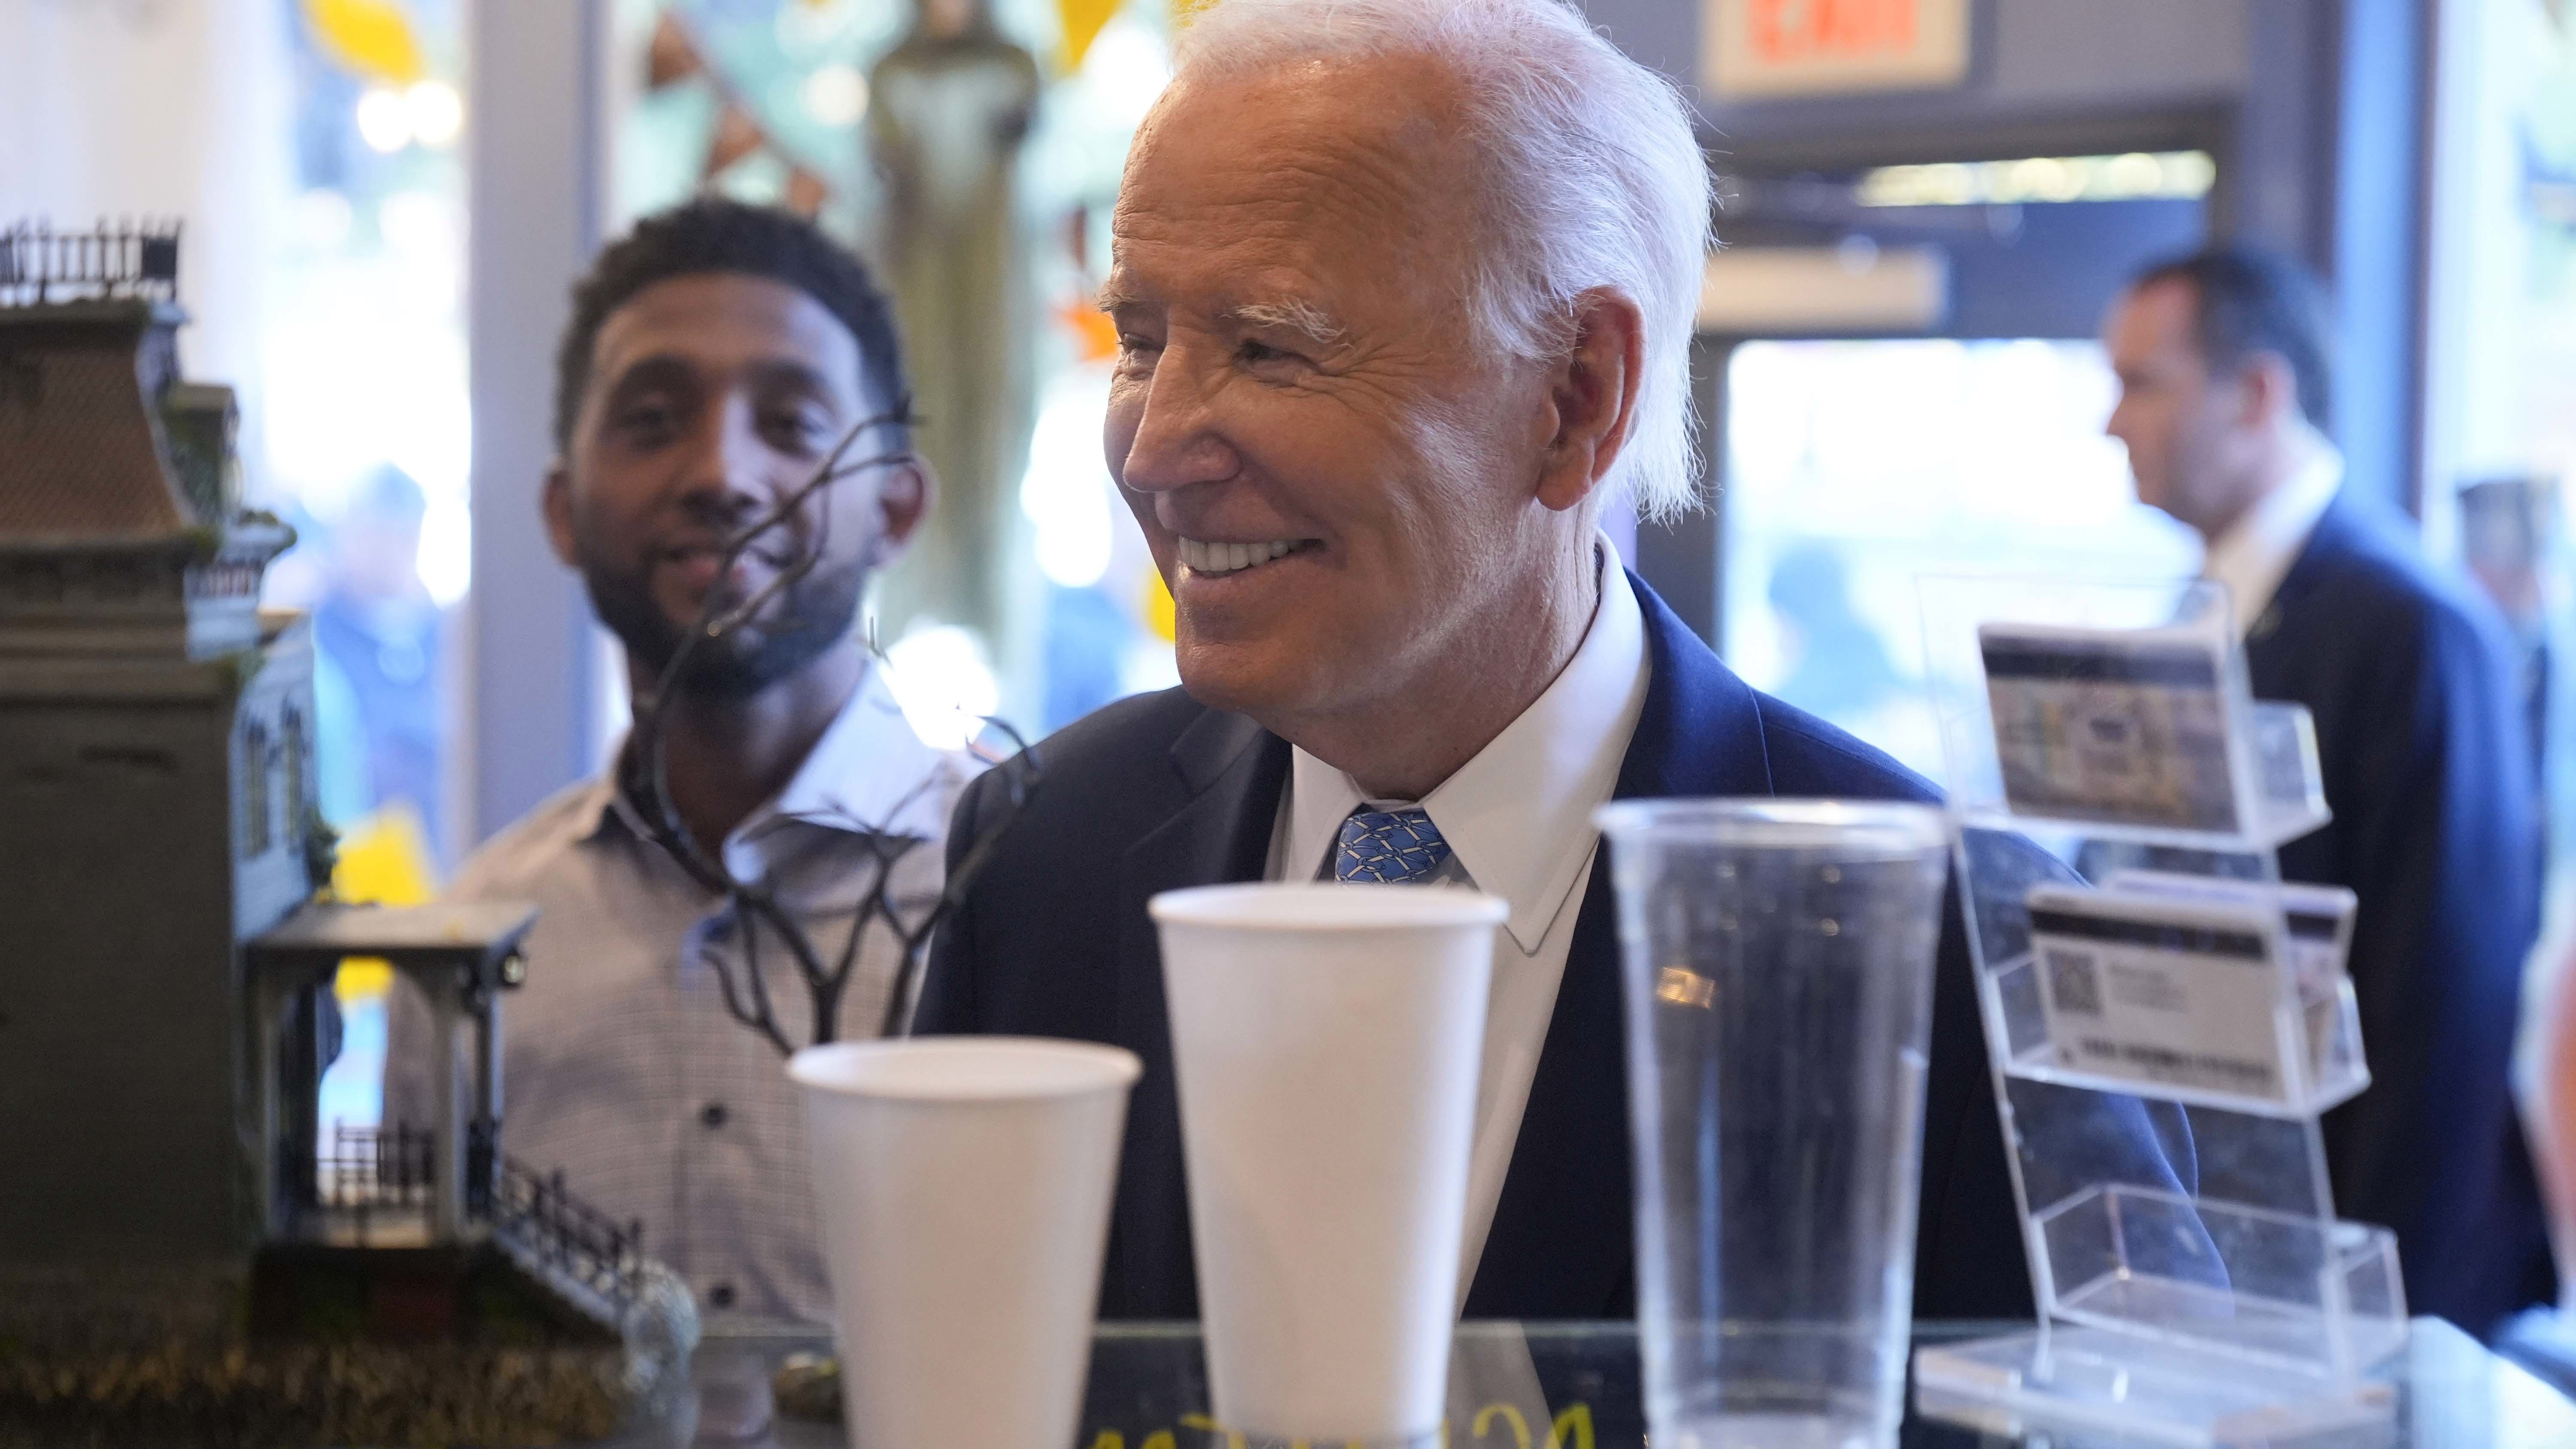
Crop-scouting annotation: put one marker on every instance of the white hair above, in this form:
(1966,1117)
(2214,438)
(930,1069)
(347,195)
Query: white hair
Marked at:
(1592,178)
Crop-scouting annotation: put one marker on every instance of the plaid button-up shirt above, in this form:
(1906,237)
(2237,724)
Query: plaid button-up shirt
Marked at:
(621,1066)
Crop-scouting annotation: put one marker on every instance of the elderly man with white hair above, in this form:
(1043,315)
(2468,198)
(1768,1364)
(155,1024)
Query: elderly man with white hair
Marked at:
(1404,295)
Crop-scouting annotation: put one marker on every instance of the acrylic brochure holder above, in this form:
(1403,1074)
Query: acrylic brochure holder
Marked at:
(2166,1019)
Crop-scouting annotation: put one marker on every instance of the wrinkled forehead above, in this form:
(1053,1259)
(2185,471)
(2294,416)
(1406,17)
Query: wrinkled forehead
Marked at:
(1331,170)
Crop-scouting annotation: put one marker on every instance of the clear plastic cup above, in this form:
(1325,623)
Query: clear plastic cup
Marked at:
(1778,958)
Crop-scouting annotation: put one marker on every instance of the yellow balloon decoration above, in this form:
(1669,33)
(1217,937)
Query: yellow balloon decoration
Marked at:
(373,38)
(1082,21)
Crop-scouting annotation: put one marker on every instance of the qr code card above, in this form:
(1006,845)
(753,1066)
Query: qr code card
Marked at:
(2120,726)
(2161,990)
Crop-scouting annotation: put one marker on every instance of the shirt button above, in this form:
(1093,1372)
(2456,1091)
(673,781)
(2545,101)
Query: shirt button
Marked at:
(714,1115)
(721,1295)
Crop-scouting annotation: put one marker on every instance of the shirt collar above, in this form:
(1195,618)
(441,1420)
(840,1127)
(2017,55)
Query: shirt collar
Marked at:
(1518,816)
(599,806)
(2255,553)
(868,772)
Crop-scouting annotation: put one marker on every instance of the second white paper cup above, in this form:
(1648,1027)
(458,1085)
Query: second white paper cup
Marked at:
(964,1184)
(1326,1042)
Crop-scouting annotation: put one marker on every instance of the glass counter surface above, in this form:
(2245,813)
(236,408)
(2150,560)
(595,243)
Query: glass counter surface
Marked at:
(1514,1386)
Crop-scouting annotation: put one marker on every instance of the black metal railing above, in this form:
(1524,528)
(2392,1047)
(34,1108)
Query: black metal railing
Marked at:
(367,1168)
(534,1212)
(127,259)
(397,1167)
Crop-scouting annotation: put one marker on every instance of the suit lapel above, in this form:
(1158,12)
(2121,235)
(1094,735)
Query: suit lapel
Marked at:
(1232,771)
(1563,1242)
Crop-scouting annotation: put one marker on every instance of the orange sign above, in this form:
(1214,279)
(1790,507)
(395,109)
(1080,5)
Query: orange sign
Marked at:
(1758,48)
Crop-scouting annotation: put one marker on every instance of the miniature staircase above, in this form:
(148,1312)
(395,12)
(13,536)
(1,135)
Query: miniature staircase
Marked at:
(589,1262)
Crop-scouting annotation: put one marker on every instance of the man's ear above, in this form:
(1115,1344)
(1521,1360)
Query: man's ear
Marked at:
(904,499)
(556,503)
(2271,390)
(1592,397)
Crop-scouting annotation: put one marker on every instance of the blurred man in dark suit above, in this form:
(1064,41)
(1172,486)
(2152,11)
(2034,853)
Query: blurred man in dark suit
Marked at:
(2224,379)
(1382,371)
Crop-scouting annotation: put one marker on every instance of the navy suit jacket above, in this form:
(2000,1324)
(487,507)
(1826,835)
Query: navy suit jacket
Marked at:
(2422,738)
(1159,792)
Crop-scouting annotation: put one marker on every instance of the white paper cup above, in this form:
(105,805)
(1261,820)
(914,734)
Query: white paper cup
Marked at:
(1326,1041)
(964,1184)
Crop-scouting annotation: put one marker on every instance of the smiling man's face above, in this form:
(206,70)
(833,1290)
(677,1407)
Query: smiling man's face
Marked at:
(711,397)
(1335,479)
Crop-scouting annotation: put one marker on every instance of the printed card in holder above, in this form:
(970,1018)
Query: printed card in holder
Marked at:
(2115,726)
(2161,990)
(2318,918)
(2317,934)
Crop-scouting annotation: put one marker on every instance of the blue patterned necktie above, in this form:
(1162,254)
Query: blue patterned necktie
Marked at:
(1388,847)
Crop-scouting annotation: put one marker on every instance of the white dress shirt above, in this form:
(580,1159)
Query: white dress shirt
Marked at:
(622,1066)
(2256,552)
(1518,820)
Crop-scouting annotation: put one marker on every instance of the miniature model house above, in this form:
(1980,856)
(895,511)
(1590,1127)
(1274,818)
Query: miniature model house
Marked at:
(166,954)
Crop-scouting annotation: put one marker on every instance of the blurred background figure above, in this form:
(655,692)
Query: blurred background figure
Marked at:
(949,114)
(378,633)
(1838,667)
(2509,528)
(2225,366)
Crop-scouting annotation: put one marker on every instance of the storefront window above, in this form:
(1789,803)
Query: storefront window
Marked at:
(2500,410)
(1853,469)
